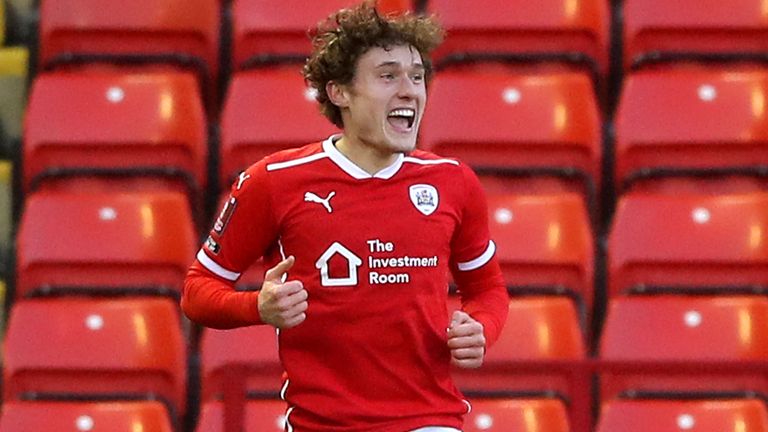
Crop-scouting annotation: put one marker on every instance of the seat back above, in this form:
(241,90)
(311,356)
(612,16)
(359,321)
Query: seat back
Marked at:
(78,348)
(261,415)
(524,415)
(113,243)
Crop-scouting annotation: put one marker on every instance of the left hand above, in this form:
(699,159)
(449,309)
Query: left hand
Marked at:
(466,341)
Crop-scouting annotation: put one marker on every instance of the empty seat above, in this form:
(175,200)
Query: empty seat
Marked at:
(663,344)
(747,415)
(671,30)
(689,242)
(689,120)
(544,245)
(112,243)
(265,31)
(522,124)
(183,33)
(253,347)
(146,416)
(555,30)
(267,110)
(111,124)
(523,415)
(261,415)
(105,349)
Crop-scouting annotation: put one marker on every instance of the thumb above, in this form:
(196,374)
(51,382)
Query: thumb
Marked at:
(459,317)
(276,273)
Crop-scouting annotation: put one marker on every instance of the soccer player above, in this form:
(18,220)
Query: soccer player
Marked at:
(360,232)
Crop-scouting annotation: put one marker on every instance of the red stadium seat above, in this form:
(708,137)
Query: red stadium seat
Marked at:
(265,30)
(267,110)
(689,330)
(255,346)
(112,124)
(146,416)
(569,29)
(537,329)
(748,415)
(179,32)
(689,241)
(265,415)
(519,415)
(658,29)
(544,245)
(522,124)
(80,243)
(105,349)
(691,119)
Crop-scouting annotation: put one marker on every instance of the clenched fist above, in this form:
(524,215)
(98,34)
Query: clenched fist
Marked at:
(466,341)
(282,304)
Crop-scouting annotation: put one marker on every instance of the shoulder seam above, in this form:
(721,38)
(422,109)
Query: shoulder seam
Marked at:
(429,161)
(295,162)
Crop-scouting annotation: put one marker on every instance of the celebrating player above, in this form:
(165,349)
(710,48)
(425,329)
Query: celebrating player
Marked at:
(361,231)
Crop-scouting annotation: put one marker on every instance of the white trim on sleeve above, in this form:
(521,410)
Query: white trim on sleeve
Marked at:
(215,268)
(481,260)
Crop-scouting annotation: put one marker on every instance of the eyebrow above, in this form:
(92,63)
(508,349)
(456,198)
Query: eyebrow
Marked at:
(397,64)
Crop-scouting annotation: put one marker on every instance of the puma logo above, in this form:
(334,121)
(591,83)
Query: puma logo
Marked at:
(326,202)
(241,179)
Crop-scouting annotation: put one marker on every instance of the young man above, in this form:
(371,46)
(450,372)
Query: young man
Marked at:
(360,232)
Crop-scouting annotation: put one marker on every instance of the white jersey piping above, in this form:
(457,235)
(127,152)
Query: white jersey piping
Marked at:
(218,270)
(481,260)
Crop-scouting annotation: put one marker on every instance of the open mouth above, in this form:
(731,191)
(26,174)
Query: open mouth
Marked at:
(402,118)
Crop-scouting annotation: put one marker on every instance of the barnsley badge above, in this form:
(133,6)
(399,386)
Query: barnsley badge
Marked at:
(424,197)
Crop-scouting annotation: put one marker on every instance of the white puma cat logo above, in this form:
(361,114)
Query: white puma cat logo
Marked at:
(241,179)
(326,202)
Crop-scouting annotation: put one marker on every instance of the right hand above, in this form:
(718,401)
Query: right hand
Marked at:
(282,305)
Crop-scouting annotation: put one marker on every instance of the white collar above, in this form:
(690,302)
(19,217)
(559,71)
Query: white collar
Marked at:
(355,171)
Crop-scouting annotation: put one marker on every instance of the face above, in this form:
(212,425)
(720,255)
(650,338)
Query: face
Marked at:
(383,105)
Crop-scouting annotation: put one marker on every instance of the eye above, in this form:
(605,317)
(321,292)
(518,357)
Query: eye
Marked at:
(417,78)
(388,76)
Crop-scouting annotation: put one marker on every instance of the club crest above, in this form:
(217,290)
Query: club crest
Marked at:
(424,197)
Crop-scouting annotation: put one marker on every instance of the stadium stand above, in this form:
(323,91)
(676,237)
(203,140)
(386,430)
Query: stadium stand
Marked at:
(260,416)
(265,32)
(141,130)
(183,34)
(570,32)
(518,125)
(6,206)
(629,415)
(246,136)
(96,349)
(112,243)
(3,24)
(147,416)
(692,121)
(658,31)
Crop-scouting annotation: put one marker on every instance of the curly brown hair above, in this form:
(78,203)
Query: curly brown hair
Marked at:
(343,37)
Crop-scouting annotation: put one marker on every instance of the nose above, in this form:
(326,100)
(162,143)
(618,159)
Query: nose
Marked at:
(407,88)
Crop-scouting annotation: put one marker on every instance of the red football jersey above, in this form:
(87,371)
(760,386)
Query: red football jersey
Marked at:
(374,253)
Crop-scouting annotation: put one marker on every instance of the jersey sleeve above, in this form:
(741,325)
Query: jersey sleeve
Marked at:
(474,265)
(244,229)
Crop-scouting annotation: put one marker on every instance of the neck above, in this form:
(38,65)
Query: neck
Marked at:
(369,158)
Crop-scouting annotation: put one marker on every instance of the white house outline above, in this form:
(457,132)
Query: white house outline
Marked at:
(353,262)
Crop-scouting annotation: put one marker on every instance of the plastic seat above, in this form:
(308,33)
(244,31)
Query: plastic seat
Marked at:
(111,124)
(524,415)
(669,30)
(13,84)
(254,346)
(555,30)
(748,415)
(265,31)
(523,124)
(105,349)
(691,119)
(250,130)
(689,242)
(108,243)
(261,415)
(147,416)
(676,336)
(544,246)
(183,33)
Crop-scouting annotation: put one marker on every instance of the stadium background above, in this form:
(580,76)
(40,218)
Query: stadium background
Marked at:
(622,146)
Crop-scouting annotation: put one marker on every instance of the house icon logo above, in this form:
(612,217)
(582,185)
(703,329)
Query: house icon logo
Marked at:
(353,262)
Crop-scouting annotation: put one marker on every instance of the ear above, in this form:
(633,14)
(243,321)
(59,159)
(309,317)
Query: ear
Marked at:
(337,93)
